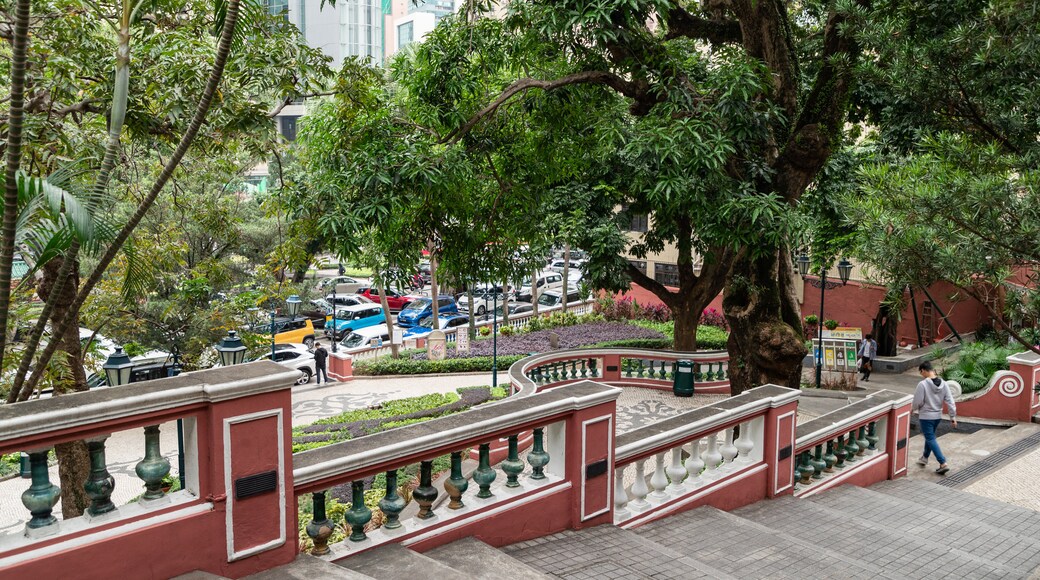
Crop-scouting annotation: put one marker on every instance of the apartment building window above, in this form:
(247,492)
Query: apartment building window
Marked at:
(640,223)
(278,7)
(405,34)
(287,126)
(639,265)
(667,274)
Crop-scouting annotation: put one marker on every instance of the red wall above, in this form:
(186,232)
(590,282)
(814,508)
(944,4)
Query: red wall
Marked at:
(857,304)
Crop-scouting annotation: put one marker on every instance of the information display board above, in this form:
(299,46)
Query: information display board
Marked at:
(839,354)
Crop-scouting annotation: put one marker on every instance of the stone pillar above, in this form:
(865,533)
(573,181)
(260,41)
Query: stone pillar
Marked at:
(341,366)
(611,368)
(778,448)
(897,440)
(1027,366)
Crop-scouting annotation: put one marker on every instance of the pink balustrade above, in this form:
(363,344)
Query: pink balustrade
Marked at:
(548,460)
(1011,395)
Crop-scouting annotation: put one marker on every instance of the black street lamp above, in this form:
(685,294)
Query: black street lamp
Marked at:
(292,304)
(231,349)
(494,338)
(844,270)
(334,318)
(118,368)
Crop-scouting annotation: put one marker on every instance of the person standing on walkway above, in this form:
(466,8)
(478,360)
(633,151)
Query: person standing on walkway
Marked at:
(867,354)
(320,356)
(929,397)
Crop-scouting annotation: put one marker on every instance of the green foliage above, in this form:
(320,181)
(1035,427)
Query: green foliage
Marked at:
(976,362)
(558,319)
(708,337)
(407,366)
(649,343)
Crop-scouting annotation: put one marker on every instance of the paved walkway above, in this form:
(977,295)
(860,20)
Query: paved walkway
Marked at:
(1014,483)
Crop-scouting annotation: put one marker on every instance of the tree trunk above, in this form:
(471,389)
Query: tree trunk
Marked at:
(472,320)
(534,291)
(765,341)
(73,459)
(381,287)
(686,319)
(434,296)
(505,304)
(885,329)
(566,272)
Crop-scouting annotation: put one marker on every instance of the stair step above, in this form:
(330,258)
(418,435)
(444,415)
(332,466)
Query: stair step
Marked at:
(478,560)
(930,520)
(609,552)
(897,554)
(1002,515)
(307,567)
(396,561)
(747,549)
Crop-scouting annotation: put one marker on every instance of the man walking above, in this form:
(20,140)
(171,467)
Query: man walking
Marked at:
(929,397)
(320,356)
(867,354)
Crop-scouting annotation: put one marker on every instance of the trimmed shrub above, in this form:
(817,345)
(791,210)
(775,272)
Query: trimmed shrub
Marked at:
(412,366)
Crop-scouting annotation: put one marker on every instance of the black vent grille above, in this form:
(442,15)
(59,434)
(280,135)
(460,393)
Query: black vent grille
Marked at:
(256,484)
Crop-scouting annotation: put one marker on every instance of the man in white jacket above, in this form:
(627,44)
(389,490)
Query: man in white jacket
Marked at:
(929,397)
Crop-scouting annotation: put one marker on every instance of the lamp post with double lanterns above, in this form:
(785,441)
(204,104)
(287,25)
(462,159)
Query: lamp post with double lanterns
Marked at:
(231,349)
(844,270)
(334,318)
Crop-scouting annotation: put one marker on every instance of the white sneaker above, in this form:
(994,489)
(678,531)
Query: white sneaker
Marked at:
(922,461)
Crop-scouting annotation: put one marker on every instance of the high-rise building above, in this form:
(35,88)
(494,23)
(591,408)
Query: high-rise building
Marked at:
(350,28)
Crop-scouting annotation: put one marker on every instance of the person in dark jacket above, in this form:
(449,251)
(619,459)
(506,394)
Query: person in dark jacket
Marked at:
(929,397)
(320,356)
(867,354)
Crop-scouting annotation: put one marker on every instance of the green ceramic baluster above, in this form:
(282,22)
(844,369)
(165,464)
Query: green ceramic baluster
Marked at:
(456,484)
(851,449)
(358,515)
(154,467)
(484,475)
(425,494)
(538,458)
(574,369)
(840,453)
(639,369)
(512,465)
(392,503)
(663,372)
(100,483)
(805,469)
(818,464)
(592,368)
(320,528)
(872,437)
(42,495)
(584,368)
(862,440)
(829,458)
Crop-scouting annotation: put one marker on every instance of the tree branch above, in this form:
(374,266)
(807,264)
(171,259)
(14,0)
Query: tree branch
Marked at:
(667,296)
(289,99)
(523,85)
(682,24)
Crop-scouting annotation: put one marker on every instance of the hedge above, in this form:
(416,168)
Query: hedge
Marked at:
(408,366)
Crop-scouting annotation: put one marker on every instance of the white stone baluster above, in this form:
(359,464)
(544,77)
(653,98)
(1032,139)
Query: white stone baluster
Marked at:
(620,496)
(744,444)
(711,456)
(694,464)
(659,480)
(676,471)
(728,450)
(639,489)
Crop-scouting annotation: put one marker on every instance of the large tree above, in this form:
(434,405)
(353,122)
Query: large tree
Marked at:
(728,112)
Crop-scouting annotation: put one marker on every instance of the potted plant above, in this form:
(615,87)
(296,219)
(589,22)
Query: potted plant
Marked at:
(830,324)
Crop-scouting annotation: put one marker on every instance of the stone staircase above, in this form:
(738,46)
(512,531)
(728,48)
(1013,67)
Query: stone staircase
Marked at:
(895,529)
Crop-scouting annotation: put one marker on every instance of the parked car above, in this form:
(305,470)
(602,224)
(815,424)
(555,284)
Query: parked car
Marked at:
(317,310)
(350,318)
(361,339)
(343,284)
(551,298)
(425,272)
(575,266)
(395,300)
(422,307)
(546,281)
(293,356)
(515,308)
(483,302)
(290,331)
(444,322)
(348,300)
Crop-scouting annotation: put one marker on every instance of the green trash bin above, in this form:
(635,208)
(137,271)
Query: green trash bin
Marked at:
(682,379)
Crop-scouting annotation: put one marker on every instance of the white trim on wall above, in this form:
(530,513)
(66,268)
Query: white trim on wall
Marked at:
(229,518)
(608,476)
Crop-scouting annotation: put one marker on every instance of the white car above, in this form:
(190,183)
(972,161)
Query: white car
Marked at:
(293,356)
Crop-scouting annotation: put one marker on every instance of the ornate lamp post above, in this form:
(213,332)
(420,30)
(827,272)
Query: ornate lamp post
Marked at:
(844,270)
(118,368)
(334,318)
(494,338)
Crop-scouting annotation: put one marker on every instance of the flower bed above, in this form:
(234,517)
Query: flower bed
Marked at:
(570,337)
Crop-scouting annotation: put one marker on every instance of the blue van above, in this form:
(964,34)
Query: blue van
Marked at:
(422,307)
(350,318)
